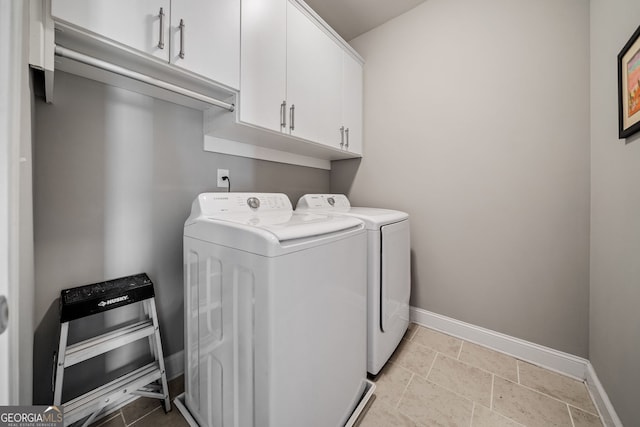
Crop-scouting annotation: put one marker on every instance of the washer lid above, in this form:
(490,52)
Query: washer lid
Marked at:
(374,218)
(290,225)
(338,204)
(263,223)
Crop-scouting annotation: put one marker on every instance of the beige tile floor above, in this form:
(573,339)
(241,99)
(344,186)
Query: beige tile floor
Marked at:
(436,380)
(145,412)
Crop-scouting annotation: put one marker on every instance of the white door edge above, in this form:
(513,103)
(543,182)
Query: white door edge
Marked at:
(11,63)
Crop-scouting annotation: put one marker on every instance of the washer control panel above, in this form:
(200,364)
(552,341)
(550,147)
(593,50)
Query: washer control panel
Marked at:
(253,202)
(215,203)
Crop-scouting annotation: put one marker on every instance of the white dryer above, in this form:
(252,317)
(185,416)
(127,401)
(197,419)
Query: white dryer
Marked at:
(388,272)
(275,315)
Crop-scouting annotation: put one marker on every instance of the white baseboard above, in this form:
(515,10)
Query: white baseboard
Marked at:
(601,399)
(174,365)
(564,363)
(558,361)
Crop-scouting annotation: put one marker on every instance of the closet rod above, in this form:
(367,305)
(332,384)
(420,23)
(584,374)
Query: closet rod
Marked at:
(98,63)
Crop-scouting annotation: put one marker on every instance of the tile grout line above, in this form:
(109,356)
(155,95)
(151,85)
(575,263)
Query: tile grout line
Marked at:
(518,423)
(557,374)
(473,408)
(510,419)
(413,333)
(144,416)
(427,379)
(404,391)
(417,424)
(454,392)
(108,418)
(449,389)
(571,416)
(474,366)
(396,365)
(460,350)
(421,345)
(457,393)
(584,410)
(493,381)
(551,397)
(440,333)
(433,362)
(518,370)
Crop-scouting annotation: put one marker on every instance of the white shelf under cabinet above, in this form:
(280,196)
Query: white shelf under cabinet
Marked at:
(225,134)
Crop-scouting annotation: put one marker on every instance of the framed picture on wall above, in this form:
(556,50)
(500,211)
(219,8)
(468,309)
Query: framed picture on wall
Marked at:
(629,87)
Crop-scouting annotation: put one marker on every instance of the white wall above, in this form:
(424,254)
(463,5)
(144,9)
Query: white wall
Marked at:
(115,173)
(477,124)
(614,339)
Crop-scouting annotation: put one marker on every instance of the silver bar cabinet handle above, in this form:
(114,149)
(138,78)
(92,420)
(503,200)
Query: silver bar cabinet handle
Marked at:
(292,116)
(346,131)
(341,136)
(181,54)
(283,114)
(161,39)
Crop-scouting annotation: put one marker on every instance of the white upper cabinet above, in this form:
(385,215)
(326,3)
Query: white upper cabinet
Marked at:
(205,38)
(207,43)
(292,76)
(300,81)
(352,103)
(314,80)
(297,85)
(141,24)
(263,68)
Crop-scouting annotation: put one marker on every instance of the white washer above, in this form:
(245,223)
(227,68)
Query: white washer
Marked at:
(275,315)
(388,273)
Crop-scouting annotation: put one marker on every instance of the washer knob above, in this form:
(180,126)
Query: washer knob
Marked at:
(331,201)
(253,202)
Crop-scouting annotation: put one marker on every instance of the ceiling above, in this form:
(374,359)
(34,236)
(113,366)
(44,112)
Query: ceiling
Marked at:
(350,18)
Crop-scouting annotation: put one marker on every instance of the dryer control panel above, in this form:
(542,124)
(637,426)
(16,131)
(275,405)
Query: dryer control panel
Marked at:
(339,202)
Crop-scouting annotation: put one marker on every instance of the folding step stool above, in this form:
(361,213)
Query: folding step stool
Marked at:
(76,303)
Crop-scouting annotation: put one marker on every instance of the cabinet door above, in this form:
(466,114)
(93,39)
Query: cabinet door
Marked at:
(135,24)
(263,62)
(209,38)
(352,102)
(314,79)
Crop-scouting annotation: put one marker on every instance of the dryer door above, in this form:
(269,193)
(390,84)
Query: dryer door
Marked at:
(395,274)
